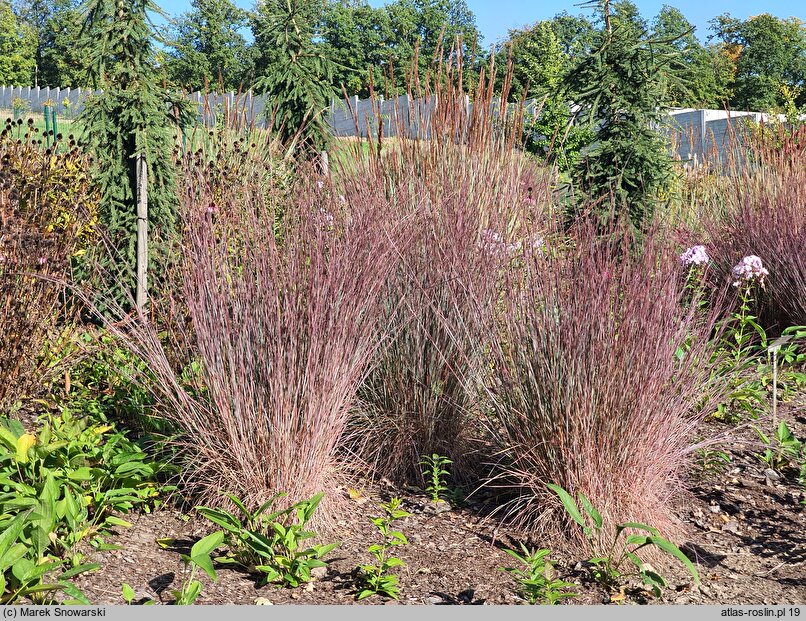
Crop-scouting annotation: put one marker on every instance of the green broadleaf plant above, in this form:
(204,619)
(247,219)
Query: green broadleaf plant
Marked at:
(618,558)
(538,582)
(435,471)
(272,543)
(376,579)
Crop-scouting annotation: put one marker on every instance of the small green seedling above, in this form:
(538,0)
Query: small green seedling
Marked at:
(539,583)
(710,461)
(619,556)
(783,450)
(434,472)
(128,596)
(199,558)
(376,579)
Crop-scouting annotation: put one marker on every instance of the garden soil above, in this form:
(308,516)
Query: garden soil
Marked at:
(746,532)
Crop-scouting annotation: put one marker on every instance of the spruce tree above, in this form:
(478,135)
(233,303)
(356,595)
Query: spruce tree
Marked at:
(296,78)
(135,114)
(620,90)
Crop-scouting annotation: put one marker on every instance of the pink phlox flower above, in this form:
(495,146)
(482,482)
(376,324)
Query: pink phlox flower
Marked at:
(537,242)
(748,270)
(696,255)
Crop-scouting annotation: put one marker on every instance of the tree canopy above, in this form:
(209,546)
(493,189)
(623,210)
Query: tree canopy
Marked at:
(757,63)
(769,55)
(17,48)
(209,48)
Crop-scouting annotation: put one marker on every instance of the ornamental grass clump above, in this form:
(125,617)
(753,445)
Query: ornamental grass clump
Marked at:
(763,212)
(462,194)
(601,374)
(268,329)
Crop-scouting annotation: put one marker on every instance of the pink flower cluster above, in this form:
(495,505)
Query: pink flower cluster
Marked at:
(494,244)
(325,219)
(696,255)
(748,270)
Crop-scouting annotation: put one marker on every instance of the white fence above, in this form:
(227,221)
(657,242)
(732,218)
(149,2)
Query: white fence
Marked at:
(696,134)
(36,97)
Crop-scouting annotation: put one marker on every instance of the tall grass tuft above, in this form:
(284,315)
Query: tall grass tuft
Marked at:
(763,213)
(601,374)
(459,190)
(270,323)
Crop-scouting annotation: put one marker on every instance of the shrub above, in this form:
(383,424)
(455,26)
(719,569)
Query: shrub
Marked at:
(601,374)
(47,212)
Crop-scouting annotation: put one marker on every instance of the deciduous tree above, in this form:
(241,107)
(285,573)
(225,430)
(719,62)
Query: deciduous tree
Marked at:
(770,54)
(17,49)
(208,47)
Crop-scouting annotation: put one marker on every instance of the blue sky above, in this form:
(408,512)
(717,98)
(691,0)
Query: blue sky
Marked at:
(495,17)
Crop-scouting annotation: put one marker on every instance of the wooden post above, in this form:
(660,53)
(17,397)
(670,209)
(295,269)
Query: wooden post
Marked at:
(325,164)
(142,234)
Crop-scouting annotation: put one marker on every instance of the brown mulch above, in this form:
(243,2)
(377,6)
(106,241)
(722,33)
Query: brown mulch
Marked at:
(746,532)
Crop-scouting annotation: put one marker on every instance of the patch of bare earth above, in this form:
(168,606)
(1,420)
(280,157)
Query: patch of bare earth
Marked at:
(747,533)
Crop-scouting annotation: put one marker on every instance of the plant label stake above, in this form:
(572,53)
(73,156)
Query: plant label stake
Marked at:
(142,234)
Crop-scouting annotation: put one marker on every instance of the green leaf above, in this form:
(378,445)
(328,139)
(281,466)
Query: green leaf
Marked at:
(73,591)
(80,569)
(654,578)
(591,510)
(200,552)
(398,538)
(207,544)
(192,593)
(238,503)
(638,540)
(670,548)
(394,562)
(22,569)
(26,570)
(128,593)
(568,502)
(638,526)
(313,562)
(80,474)
(223,518)
(271,573)
(17,551)
(517,556)
(266,505)
(12,532)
